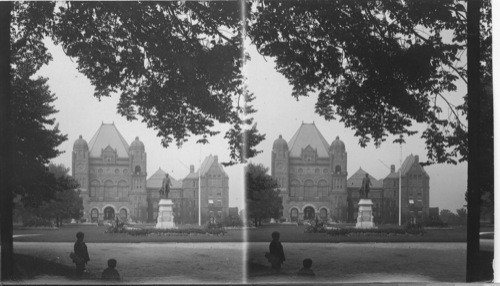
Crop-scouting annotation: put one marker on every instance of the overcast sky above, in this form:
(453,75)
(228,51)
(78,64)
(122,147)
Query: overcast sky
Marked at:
(278,113)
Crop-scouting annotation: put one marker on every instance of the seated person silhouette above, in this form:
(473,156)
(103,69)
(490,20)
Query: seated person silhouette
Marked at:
(306,269)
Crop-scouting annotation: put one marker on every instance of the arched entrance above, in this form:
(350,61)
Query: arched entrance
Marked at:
(123,214)
(294,215)
(309,213)
(109,213)
(94,215)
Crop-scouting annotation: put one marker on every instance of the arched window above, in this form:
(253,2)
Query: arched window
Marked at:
(309,189)
(123,214)
(94,215)
(323,214)
(338,169)
(137,169)
(294,188)
(322,188)
(109,189)
(94,187)
(294,214)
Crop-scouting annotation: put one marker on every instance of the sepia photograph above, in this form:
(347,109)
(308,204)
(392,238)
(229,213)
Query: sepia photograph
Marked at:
(246,142)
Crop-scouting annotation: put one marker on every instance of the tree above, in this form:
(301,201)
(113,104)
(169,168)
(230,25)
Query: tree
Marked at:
(378,66)
(30,132)
(263,200)
(177,65)
(67,203)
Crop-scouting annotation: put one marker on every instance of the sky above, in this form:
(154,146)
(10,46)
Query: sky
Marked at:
(80,113)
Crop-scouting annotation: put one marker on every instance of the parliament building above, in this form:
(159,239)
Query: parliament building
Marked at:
(113,182)
(313,180)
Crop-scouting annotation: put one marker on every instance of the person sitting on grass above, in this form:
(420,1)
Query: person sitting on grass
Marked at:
(276,255)
(306,269)
(111,273)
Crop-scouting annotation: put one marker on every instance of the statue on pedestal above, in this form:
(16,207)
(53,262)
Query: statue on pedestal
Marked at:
(365,187)
(165,187)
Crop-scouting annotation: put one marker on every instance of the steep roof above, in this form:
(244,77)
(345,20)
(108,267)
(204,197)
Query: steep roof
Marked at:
(108,135)
(206,165)
(155,181)
(405,167)
(308,134)
(357,178)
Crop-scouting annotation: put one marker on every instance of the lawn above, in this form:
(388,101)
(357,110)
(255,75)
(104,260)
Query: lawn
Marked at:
(293,233)
(93,233)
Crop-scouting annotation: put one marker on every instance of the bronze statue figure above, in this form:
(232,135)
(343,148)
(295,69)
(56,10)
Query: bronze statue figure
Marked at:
(165,187)
(365,187)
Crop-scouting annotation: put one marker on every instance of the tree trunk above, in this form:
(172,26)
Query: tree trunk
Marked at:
(474,91)
(6,201)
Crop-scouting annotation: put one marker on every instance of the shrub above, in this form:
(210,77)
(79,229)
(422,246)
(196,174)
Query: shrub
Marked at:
(375,231)
(38,222)
(116,227)
(315,227)
(435,223)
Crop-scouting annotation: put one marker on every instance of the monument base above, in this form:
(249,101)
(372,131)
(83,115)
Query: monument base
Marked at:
(165,214)
(365,214)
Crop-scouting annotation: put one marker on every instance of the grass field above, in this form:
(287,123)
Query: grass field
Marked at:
(67,233)
(289,233)
(292,233)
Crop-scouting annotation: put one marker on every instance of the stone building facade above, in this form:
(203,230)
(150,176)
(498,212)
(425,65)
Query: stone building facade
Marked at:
(414,190)
(183,208)
(214,190)
(312,175)
(112,175)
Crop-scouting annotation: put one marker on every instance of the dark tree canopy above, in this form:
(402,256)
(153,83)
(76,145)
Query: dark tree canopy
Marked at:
(263,200)
(176,65)
(378,66)
(35,135)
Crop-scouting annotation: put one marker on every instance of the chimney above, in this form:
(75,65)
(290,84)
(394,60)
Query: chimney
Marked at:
(393,168)
(416,158)
(216,159)
(191,169)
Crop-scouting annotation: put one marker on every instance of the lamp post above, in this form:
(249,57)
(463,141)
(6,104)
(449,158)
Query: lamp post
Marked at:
(400,167)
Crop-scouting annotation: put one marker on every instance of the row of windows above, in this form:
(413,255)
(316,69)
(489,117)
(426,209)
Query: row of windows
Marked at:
(116,171)
(309,189)
(338,170)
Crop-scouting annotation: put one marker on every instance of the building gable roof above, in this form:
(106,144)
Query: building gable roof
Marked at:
(357,178)
(155,181)
(308,135)
(210,161)
(108,135)
(407,165)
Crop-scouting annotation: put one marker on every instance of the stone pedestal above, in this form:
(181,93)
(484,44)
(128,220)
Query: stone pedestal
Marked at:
(165,214)
(365,215)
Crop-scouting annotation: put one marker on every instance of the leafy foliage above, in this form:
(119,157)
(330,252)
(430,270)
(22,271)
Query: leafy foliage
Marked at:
(262,196)
(450,218)
(375,231)
(177,65)
(66,203)
(378,66)
(38,222)
(182,231)
(35,134)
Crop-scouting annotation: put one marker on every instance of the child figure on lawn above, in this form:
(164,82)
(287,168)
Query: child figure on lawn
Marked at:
(276,255)
(111,273)
(81,255)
